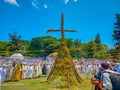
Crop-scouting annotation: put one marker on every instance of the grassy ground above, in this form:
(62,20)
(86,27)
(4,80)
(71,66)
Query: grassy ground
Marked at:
(39,84)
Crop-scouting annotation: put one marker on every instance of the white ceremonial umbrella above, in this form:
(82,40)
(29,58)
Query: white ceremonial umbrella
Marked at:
(17,56)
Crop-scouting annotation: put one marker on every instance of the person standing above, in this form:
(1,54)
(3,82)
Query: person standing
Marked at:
(35,72)
(30,71)
(39,69)
(1,74)
(88,71)
(48,69)
(8,72)
(118,68)
(17,72)
(24,69)
(27,66)
(11,71)
(44,69)
(4,73)
(104,81)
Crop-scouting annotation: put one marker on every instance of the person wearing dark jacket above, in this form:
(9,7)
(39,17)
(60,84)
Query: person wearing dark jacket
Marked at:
(44,69)
(104,83)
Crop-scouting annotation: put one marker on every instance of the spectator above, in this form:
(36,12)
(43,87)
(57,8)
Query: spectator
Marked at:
(104,83)
(118,68)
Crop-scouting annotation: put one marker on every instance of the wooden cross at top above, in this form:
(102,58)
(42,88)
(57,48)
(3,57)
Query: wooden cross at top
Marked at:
(62,28)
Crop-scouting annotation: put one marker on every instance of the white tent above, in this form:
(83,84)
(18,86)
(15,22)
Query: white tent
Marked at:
(17,56)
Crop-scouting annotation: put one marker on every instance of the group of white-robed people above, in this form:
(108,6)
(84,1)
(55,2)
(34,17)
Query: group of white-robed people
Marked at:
(9,71)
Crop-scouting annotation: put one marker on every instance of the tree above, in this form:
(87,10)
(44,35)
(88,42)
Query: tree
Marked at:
(37,43)
(4,50)
(116,37)
(97,39)
(3,46)
(83,50)
(51,44)
(116,32)
(43,46)
(15,44)
(91,49)
(26,45)
(73,52)
(69,43)
(77,43)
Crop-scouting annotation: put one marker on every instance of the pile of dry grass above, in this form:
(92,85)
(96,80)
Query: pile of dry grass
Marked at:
(63,73)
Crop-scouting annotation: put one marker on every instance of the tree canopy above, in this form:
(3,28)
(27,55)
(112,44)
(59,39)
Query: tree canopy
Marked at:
(116,37)
(116,32)
(97,39)
(43,46)
(15,43)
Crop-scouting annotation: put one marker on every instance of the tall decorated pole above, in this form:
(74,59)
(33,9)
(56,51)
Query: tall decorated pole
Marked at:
(63,71)
(62,26)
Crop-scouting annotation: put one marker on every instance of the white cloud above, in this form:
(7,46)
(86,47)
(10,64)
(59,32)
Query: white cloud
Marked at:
(45,6)
(66,1)
(75,0)
(35,3)
(14,2)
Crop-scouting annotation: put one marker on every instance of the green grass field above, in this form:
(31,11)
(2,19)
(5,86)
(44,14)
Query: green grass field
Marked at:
(39,84)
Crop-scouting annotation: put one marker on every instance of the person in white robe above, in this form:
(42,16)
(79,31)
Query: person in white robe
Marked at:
(11,71)
(1,74)
(39,69)
(27,71)
(24,70)
(88,71)
(35,72)
(30,71)
(8,72)
(4,73)
(48,69)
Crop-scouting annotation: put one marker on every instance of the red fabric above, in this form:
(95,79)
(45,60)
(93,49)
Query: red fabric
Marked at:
(99,84)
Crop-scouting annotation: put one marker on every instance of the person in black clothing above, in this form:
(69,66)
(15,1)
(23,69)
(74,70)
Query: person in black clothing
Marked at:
(44,69)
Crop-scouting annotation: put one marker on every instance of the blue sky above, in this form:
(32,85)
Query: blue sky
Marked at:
(32,18)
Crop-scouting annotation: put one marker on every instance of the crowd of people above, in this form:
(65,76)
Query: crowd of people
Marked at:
(12,70)
(104,74)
